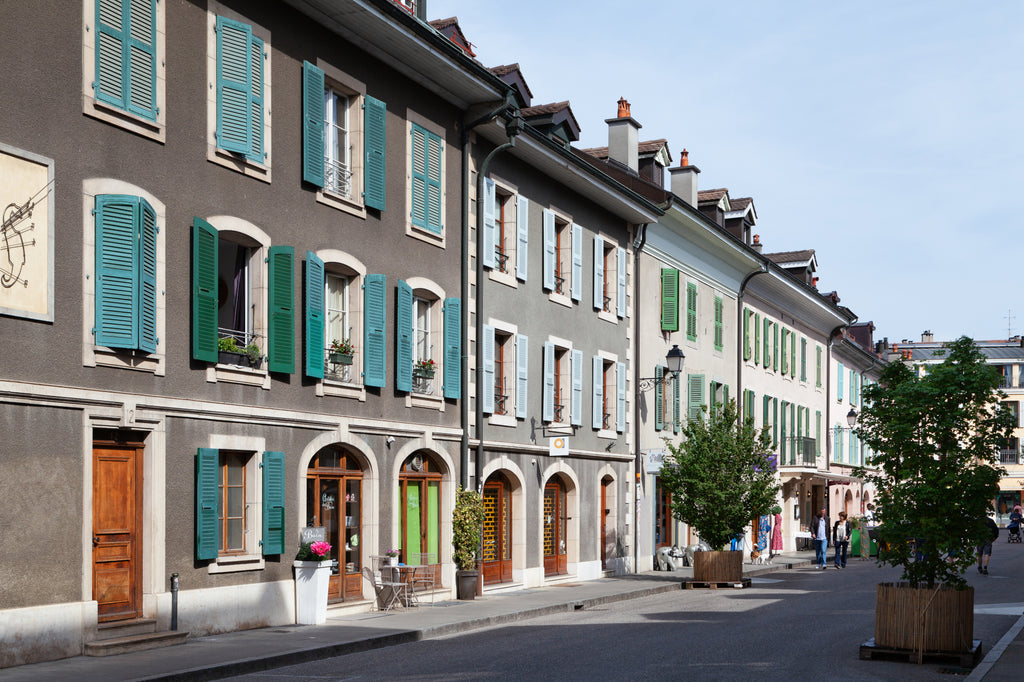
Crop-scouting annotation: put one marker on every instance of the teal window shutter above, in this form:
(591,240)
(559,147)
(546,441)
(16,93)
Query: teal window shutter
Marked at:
(548,407)
(374,320)
(817,432)
(207,503)
(775,347)
(490,228)
(487,390)
(620,291)
(281,327)
(576,409)
(522,375)
(597,404)
(669,299)
(403,337)
(312,125)
(126,55)
(374,141)
(691,312)
(256,100)
(111,52)
(453,348)
(792,354)
(117,270)
(719,323)
(766,355)
(315,316)
(694,396)
(620,397)
(853,386)
(599,273)
(522,236)
(204,291)
(803,359)
(785,351)
(239,89)
(659,398)
(677,422)
(576,286)
(782,447)
(147,277)
(273,503)
(766,411)
(426,179)
(775,421)
(549,250)
(817,369)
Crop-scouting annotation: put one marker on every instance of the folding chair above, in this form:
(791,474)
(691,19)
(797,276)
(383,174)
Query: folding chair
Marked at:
(387,593)
(426,578)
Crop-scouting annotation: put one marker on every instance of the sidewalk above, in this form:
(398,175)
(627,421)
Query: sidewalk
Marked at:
(250,651)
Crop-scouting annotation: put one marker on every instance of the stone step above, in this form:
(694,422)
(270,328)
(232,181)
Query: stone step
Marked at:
(125,628)
(140,642)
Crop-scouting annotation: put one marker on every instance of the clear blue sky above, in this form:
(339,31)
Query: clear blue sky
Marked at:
(886,136)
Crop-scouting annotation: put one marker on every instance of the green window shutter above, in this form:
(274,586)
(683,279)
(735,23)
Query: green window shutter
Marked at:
(775,421)
(694,396)
(803,359)
(669,300)
(141,86)
(785,351)
(548,406)
(783,448)
(256,64)
(677,422)
(490,227)
(817,369)
(403,337)
(237,80)
(426,179)
(691,312)
(766,411)
(117,270)
(757,339)
(204,291)
(725,394)
(766,355)
(147,277)
(273,503)
(315,316)
(719,315)
(207,503)
(659,397)
(549,250)
(839,381)
(817,432)
(281,327)
(522,375)
(111,52)
(746,334)
(374,141)
(312,125)
(620,397)
(775,347)
(576,409)
(522,236)
(597,392)
(374,320)
(452,348)
(792,354)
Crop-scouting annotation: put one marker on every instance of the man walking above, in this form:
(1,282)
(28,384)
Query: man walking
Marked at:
(820,528)
(841,539)
(985,551)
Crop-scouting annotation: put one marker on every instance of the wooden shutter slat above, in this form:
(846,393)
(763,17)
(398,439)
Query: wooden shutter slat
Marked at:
(281,295)
(522,236)
(204,291)
(315,316)
(403,336)
(207,503)
(273,503)
(374,320)
(374,140)
(312,124)
(117,265)
(452,348)
(522,375)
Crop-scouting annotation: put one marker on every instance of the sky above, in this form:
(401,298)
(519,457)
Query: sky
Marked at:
(887,136)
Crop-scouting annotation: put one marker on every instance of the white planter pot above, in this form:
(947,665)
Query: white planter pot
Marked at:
(311,581)
(392,561)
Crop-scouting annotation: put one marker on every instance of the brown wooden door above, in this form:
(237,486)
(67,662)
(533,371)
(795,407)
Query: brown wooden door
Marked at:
(116,529)
(555,557)
(334,501)
(605,511)
(497,536)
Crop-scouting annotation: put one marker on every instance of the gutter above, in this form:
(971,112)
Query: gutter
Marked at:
(739,326)
(638,479)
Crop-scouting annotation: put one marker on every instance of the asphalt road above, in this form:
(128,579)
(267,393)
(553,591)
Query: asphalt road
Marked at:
(799,624)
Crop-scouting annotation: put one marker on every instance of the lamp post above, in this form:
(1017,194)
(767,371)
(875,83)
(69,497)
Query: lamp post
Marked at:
(851,418)
(673,362)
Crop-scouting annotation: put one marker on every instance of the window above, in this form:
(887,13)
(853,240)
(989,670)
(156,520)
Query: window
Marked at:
(426,181)
(500,373)
(853,387)
(719,395)
(757,339)
(775,347)
(419,485)
(343,139)
(1013,407)
(666,408)
(428,346)
(839,381)
(747,350)
(691,311)
(337,352)
(785,351)
(609,279)
(240,93)
(563,258)
(669,299)
(767,353)
(563,384)
(123,71)
(694,396)
(609,395)
(719,323)
(231,502)
(506,233)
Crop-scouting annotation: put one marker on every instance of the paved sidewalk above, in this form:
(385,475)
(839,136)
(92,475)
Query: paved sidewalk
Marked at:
(250,651)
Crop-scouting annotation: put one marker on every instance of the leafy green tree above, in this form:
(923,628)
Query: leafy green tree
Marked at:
(720,474)
(467,520)
(936,439)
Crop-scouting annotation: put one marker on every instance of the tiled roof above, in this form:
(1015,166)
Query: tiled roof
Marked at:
(740,204)
(790,256)
(444,23)
(504,69)
(649,147)
(552,108)
(712,194)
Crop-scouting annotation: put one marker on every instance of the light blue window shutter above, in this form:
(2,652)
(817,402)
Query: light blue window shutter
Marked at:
(434,165)
(207,503)
(126,55)
(620,397)
(374,321)
(312,125)
(853,386)
(548,408)
(452,348)
(117,276)
(522,236)
(235,85)
(489,223)
(403,337)
(315,342)
(111,52)
(141,62)
(839,381)
(677,422)
(576,288)
(522,375)
(374,139)
(549,250)
(273,503)
(487,389)
(576,410)
(659,398)
(147,277)
(620,291)
(204,290)
(598,273)
(281,297)
(598,391)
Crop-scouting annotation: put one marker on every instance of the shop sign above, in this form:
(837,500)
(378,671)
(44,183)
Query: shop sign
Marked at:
(653,460)
(312,534)
(558,446)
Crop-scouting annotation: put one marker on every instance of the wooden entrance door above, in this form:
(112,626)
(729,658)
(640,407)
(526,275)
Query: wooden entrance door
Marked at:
(662,517)
(334,501)
(555,559)
(607,534)
(116,531)
(497,548)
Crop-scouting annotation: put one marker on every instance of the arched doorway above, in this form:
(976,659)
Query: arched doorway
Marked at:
(848,503)
(555,528)
(608,538)
(419,482)
(497,535)
(334,501)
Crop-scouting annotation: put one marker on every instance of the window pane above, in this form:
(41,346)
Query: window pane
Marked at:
(234,532)
(236,500)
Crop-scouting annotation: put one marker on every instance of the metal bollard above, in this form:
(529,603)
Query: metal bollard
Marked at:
(174,601)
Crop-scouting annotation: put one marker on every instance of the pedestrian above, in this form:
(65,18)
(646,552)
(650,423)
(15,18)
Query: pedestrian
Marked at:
(841,539)
(777,531)
(985,551)
(819,533)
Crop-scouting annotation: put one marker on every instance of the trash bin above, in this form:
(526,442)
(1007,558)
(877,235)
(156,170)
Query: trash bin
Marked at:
(873,534)
(855,542)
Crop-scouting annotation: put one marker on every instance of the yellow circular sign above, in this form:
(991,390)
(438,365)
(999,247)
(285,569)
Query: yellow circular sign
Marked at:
(559,443)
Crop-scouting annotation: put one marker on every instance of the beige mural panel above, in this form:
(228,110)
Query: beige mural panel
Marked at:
(26,234)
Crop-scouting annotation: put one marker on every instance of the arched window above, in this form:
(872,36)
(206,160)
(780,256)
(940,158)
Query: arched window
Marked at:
(419,484)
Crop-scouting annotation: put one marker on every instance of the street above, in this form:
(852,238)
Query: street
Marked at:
(803,623)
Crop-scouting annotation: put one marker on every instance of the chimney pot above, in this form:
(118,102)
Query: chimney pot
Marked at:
(624,138)
(685,161)
(623,108)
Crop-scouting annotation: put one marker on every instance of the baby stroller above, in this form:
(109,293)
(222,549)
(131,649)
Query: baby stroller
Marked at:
(1013,532)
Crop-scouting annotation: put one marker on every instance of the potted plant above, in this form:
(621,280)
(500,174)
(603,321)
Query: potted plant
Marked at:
(229,352)
(341,352)
(467,522)
(312,575)
(718,475)
(254,355)
(392,555)
(936,438)
(424,368)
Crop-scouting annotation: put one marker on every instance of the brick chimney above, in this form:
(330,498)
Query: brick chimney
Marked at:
(927,336)
(757,246)
(684,180)
(624,137)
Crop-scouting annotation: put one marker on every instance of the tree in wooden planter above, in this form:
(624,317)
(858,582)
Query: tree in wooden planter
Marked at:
(467,525)
(936,439)
(719,475)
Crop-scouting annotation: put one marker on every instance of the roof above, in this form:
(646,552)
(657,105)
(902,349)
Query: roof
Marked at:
(934,351)
(712,194)
(791,256)
(741,204)
(450,29)
(513,75)
(650,147)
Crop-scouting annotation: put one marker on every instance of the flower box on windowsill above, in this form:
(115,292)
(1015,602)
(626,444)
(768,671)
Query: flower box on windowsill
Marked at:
(225,357)
(340,358)
(423,372)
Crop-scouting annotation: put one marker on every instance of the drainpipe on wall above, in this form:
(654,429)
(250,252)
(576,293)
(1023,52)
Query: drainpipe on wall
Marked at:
(739,326)
(638,465)
(828,404)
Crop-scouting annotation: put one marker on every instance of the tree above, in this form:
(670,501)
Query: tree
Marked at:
(467,520)
(720,474)
(936,439)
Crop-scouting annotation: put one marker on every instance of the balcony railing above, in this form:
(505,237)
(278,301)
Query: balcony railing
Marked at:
(559,284)
(501,259)
(337,177)
(607,304)
(559,411)
(1009,456)
(606,421)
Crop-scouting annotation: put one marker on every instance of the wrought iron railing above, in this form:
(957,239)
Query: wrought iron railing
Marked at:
(607,304)
(337,177)
(501,259)
(1009,456)
(559,284)
(559,410)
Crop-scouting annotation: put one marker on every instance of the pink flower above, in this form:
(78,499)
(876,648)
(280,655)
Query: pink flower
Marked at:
(320,548)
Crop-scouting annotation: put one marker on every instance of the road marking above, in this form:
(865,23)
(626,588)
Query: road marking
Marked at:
(1000,609)
(985,666)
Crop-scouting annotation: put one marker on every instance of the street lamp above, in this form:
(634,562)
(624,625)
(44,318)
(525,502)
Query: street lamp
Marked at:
(673,363)
(851,418)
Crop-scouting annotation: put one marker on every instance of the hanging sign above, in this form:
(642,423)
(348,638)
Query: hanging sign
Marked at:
(558,446)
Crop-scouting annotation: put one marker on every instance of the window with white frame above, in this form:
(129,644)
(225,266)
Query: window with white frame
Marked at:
(501,372)
(563,383)
(609,279)
(337,147)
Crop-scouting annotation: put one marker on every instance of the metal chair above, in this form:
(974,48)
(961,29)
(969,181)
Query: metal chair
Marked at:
(386,593)
(426,579)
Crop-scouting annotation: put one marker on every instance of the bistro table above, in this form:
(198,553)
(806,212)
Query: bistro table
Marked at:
(407,576)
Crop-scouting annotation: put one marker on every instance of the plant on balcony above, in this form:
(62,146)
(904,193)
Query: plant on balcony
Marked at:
(341,351)
(424,368)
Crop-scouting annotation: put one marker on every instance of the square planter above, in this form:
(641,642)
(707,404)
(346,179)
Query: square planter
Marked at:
(340,358)
(311,582)
(423,373)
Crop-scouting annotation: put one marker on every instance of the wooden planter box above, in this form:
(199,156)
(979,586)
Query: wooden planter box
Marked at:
(341,358)
(718,567)
(919,618)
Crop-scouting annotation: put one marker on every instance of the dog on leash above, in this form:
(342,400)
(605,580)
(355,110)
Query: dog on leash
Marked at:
(761,558)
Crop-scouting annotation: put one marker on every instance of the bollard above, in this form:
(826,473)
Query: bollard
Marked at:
(174,601)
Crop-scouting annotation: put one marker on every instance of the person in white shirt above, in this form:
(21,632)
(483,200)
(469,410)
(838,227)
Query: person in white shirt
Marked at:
(820,529)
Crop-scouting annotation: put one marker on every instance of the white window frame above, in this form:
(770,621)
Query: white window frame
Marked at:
(509,331)
(340,263)
(506,209)
(355,90)
(253,559)
(427,290)
(609,362)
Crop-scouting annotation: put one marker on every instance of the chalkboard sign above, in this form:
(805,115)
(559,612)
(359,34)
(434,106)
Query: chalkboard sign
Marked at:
(312,534)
